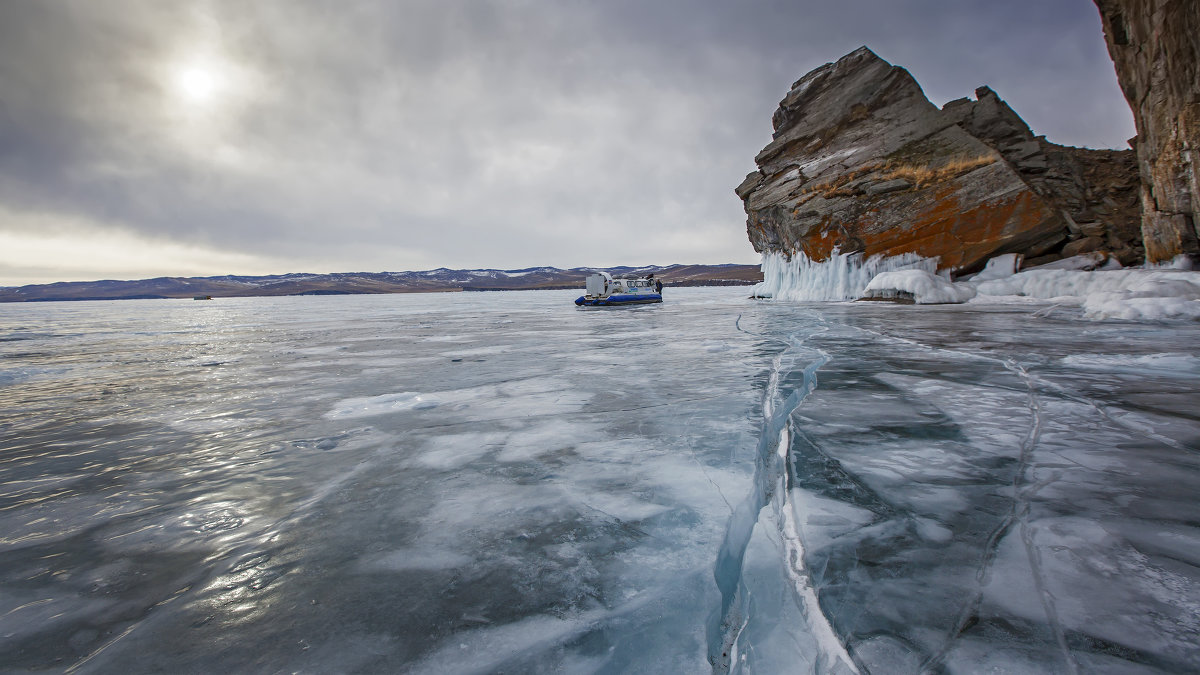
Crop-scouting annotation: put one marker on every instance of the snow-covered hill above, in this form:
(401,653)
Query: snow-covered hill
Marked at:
(344,283)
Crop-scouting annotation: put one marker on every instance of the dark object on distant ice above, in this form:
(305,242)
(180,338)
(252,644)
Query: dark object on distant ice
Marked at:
(202,297)
(605,291)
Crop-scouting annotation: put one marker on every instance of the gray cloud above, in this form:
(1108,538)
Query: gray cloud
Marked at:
(388,135)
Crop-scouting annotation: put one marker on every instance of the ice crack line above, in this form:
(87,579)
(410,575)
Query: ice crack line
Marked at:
(1022,513)
(1023,492)
(771,452)
(1098,406)
(1103,411)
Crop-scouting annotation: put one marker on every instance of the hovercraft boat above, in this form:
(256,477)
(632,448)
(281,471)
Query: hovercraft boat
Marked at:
(605,291)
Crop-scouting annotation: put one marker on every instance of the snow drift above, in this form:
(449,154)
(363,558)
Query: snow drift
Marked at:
(1136,294)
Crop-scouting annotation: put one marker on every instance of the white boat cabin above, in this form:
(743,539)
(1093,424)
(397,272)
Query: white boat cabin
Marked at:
(603,284)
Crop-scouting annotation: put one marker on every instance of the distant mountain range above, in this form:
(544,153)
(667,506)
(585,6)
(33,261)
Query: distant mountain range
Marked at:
(428,281)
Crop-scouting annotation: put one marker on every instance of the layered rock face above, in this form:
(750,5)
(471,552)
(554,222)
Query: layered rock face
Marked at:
(1095,191)
(1155,45)
(862,162)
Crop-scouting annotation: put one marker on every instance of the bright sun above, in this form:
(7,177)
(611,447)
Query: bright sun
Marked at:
(197,84)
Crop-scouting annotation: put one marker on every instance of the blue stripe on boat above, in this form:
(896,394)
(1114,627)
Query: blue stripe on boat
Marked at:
(620,299)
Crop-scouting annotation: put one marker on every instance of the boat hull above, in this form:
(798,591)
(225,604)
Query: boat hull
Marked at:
(619,299)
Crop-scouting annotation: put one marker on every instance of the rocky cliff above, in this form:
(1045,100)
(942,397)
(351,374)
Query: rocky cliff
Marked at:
(861,161)
(1155,45)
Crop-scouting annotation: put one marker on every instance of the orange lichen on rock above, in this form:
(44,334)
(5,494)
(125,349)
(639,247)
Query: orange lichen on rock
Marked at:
(959,235)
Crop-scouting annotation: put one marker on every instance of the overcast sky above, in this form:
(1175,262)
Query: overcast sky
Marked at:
(143,139)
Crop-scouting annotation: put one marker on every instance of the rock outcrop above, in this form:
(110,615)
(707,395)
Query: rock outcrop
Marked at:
(862,162)
(1155,45)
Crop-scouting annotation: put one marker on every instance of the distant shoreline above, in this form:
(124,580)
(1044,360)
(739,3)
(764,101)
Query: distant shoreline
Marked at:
(441,280)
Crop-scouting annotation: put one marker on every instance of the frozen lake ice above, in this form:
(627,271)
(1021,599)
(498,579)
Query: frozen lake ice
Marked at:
(501,482)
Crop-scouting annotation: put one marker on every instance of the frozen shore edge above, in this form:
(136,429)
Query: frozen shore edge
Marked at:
(1170,292)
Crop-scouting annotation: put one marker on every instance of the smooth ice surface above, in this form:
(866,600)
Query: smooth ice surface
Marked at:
(502,482)
(427,483)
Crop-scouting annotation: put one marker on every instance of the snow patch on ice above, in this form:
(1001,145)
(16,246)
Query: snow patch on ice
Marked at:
(1148,294)
(452,451)
(1047,284)
(624,508)
(716,346)
(488,649)
(370,406)
(1000,267)
(551,436)
(1140,306)
(1085,261)
(1132,294)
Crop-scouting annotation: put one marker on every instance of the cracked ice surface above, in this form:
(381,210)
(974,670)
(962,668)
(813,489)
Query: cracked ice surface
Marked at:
(500,482)
(984,490)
